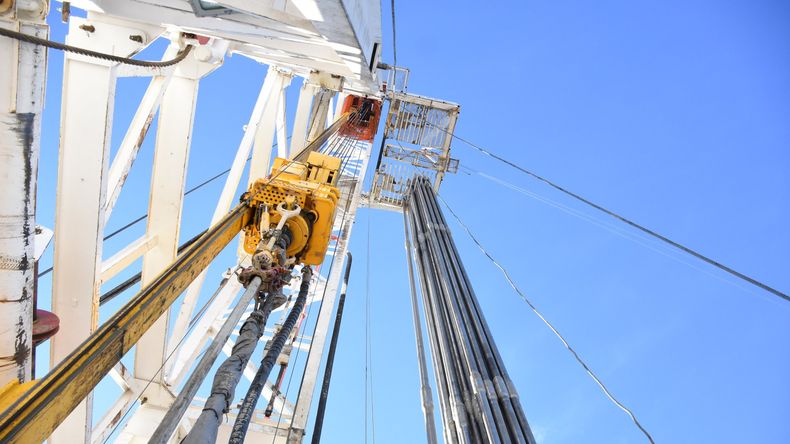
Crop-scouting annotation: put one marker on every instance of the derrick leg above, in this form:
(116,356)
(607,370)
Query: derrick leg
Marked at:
(24,65)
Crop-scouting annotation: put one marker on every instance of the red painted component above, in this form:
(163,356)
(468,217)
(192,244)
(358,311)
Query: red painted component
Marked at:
(367,127)
(45,326)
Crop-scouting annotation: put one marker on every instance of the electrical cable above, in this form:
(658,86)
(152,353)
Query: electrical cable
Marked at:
(22,37)
(548,324)
(625,220)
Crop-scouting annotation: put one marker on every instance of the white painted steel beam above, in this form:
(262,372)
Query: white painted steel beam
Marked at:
(299,131)
(86,120)
(135,135)
(23,75)
(119,261)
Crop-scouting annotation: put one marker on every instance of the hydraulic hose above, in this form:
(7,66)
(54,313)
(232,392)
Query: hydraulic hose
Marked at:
(242,422)
(227,377)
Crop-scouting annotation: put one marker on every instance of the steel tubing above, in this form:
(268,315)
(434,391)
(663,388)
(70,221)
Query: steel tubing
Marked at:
(462,295)
(449,430)
(474,387)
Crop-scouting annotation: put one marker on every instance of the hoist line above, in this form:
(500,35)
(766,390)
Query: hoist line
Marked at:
(210,428)
(342,145)
(625,220)
(319,140)
(547,323)
(229,374)
(27,38)
(308,310)
(343,225)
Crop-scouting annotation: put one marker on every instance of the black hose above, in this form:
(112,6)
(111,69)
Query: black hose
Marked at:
(242,422)
(330,359)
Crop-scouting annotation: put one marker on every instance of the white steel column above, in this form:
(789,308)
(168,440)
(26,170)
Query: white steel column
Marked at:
(339,100)
(299,131)
(168,177)
(282,129)
(318,113)
(262,146)
(273,84)
(86,121)
(23,68)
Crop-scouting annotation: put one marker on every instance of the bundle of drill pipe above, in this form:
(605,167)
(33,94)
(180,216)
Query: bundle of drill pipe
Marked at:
(477,399)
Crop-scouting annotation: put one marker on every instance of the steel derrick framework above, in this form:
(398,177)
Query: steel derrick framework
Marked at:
(176,332)
(333,45)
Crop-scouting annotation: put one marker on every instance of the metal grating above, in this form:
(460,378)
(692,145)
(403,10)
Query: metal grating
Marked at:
(422,130)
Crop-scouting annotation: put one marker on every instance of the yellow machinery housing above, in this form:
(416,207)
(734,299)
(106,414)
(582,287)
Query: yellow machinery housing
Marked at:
(312,186)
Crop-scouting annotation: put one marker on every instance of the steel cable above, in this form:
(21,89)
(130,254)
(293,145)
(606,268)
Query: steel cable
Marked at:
(548,324)
(22,37)
(625,220)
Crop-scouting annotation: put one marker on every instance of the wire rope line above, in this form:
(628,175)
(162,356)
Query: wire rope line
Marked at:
(336,143)
(22,37)
(623,232)
(369,401)
(394,51)
(537,312)
(625,220)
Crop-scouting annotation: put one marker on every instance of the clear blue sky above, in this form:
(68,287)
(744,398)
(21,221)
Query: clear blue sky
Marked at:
(672,113)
